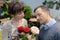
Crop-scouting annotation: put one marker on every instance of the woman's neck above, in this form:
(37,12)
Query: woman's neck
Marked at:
(16,19)
(15,22)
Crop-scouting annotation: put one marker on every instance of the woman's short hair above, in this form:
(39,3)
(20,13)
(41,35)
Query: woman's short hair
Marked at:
(16,7)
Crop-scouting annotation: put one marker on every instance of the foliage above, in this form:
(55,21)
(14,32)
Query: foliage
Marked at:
(23,36)
(28,15)
(51,4)
(4,11)
(27,12)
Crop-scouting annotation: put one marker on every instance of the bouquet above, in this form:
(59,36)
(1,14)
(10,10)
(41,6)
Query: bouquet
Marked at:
(24,32)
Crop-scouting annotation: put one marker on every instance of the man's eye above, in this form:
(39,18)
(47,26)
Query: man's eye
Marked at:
(38,14)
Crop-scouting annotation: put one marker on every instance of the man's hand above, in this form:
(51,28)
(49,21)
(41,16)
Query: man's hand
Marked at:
(33,20)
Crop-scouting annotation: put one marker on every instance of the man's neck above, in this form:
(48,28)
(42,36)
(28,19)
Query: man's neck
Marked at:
(48,20)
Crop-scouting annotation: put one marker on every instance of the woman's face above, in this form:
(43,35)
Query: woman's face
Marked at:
(19,15)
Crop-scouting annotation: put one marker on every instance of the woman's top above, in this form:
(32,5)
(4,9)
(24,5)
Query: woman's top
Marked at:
(9,29)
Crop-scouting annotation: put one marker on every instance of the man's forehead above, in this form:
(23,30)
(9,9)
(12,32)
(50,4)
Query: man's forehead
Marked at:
(37,14)
(38,10)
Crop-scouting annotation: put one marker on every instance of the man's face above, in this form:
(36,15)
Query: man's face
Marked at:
(41,16)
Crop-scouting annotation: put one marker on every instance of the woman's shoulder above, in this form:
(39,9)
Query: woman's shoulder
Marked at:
(6,24)
(24,20)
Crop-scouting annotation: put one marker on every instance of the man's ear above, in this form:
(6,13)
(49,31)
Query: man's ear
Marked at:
(48,12)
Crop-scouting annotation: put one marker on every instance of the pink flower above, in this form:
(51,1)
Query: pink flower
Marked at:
(34,30)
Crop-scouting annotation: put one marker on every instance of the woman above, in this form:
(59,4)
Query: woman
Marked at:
(9,29)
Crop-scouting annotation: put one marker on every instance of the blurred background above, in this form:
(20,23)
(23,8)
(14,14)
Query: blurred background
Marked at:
(54,5)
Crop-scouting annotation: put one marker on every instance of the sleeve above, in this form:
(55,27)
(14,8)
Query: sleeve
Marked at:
(24,22)
(4,32)
(37,36)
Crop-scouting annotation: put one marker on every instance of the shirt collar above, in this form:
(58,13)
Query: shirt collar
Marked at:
(49,24)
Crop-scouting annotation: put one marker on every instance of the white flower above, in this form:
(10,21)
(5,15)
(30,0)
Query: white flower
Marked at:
(34,30)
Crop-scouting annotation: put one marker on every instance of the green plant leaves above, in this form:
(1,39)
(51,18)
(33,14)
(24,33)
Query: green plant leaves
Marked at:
(51,4)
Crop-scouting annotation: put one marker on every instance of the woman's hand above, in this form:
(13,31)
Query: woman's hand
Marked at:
(14,37)
(30,37)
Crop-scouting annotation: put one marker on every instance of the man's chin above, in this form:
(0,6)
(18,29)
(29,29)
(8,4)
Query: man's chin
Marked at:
(41,23)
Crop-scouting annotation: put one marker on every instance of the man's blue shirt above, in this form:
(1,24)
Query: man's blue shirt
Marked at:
(49,24)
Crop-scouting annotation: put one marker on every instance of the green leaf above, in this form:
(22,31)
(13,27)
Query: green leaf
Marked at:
(27,12)
(33,35)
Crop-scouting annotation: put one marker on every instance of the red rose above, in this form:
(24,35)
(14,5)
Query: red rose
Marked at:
(23,29)
(26,30)
(20,29)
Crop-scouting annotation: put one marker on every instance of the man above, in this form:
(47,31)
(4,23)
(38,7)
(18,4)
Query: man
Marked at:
(51,28)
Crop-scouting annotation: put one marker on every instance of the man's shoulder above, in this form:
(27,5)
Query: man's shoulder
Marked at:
(57,23)
(56,27)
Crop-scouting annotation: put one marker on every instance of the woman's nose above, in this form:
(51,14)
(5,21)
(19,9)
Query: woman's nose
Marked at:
(23,14)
